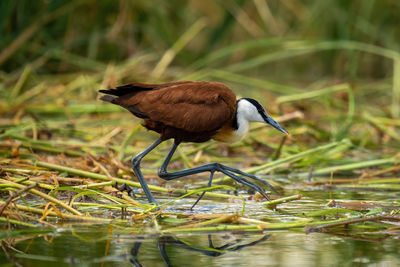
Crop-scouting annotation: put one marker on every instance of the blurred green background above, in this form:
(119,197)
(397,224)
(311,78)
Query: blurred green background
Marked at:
(112,31)
(345,50)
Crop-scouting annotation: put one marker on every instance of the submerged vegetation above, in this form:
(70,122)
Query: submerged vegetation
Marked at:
(333,82)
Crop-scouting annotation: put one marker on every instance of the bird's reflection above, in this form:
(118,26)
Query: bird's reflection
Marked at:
(211,250)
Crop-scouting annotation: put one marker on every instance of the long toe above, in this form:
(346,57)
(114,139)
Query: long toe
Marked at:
(251,176)
(246,182)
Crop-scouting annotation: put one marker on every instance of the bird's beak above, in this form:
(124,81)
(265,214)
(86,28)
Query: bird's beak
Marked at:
(274,124)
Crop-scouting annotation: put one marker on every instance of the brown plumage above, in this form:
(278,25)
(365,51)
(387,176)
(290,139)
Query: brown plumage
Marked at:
(190,111)
(170,108)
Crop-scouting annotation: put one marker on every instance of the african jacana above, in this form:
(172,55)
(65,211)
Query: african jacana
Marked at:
(190,111)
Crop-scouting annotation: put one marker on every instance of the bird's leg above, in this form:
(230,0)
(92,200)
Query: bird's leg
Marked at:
(202,194)
(161,247)
(211,167)
(134,253)
(136,169)
(166,162)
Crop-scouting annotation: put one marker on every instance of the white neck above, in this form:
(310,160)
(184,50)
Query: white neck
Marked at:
(243,124)
(246,112)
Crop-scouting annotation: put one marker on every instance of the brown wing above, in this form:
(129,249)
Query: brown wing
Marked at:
(190,106)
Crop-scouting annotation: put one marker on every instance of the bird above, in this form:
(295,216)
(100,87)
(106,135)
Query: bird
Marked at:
(191,111)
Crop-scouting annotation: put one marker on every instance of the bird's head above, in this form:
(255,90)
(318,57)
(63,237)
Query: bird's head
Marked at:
(253,111)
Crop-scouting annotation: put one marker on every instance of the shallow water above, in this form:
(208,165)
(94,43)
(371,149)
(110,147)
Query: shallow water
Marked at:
(86,246)
(116,245)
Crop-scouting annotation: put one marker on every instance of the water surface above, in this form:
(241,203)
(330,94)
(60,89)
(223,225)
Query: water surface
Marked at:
(80,244)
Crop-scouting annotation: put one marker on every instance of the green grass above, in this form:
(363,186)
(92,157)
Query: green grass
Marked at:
(333,81)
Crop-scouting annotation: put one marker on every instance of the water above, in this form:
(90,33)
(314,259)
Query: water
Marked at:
(117,245)
(87,245)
